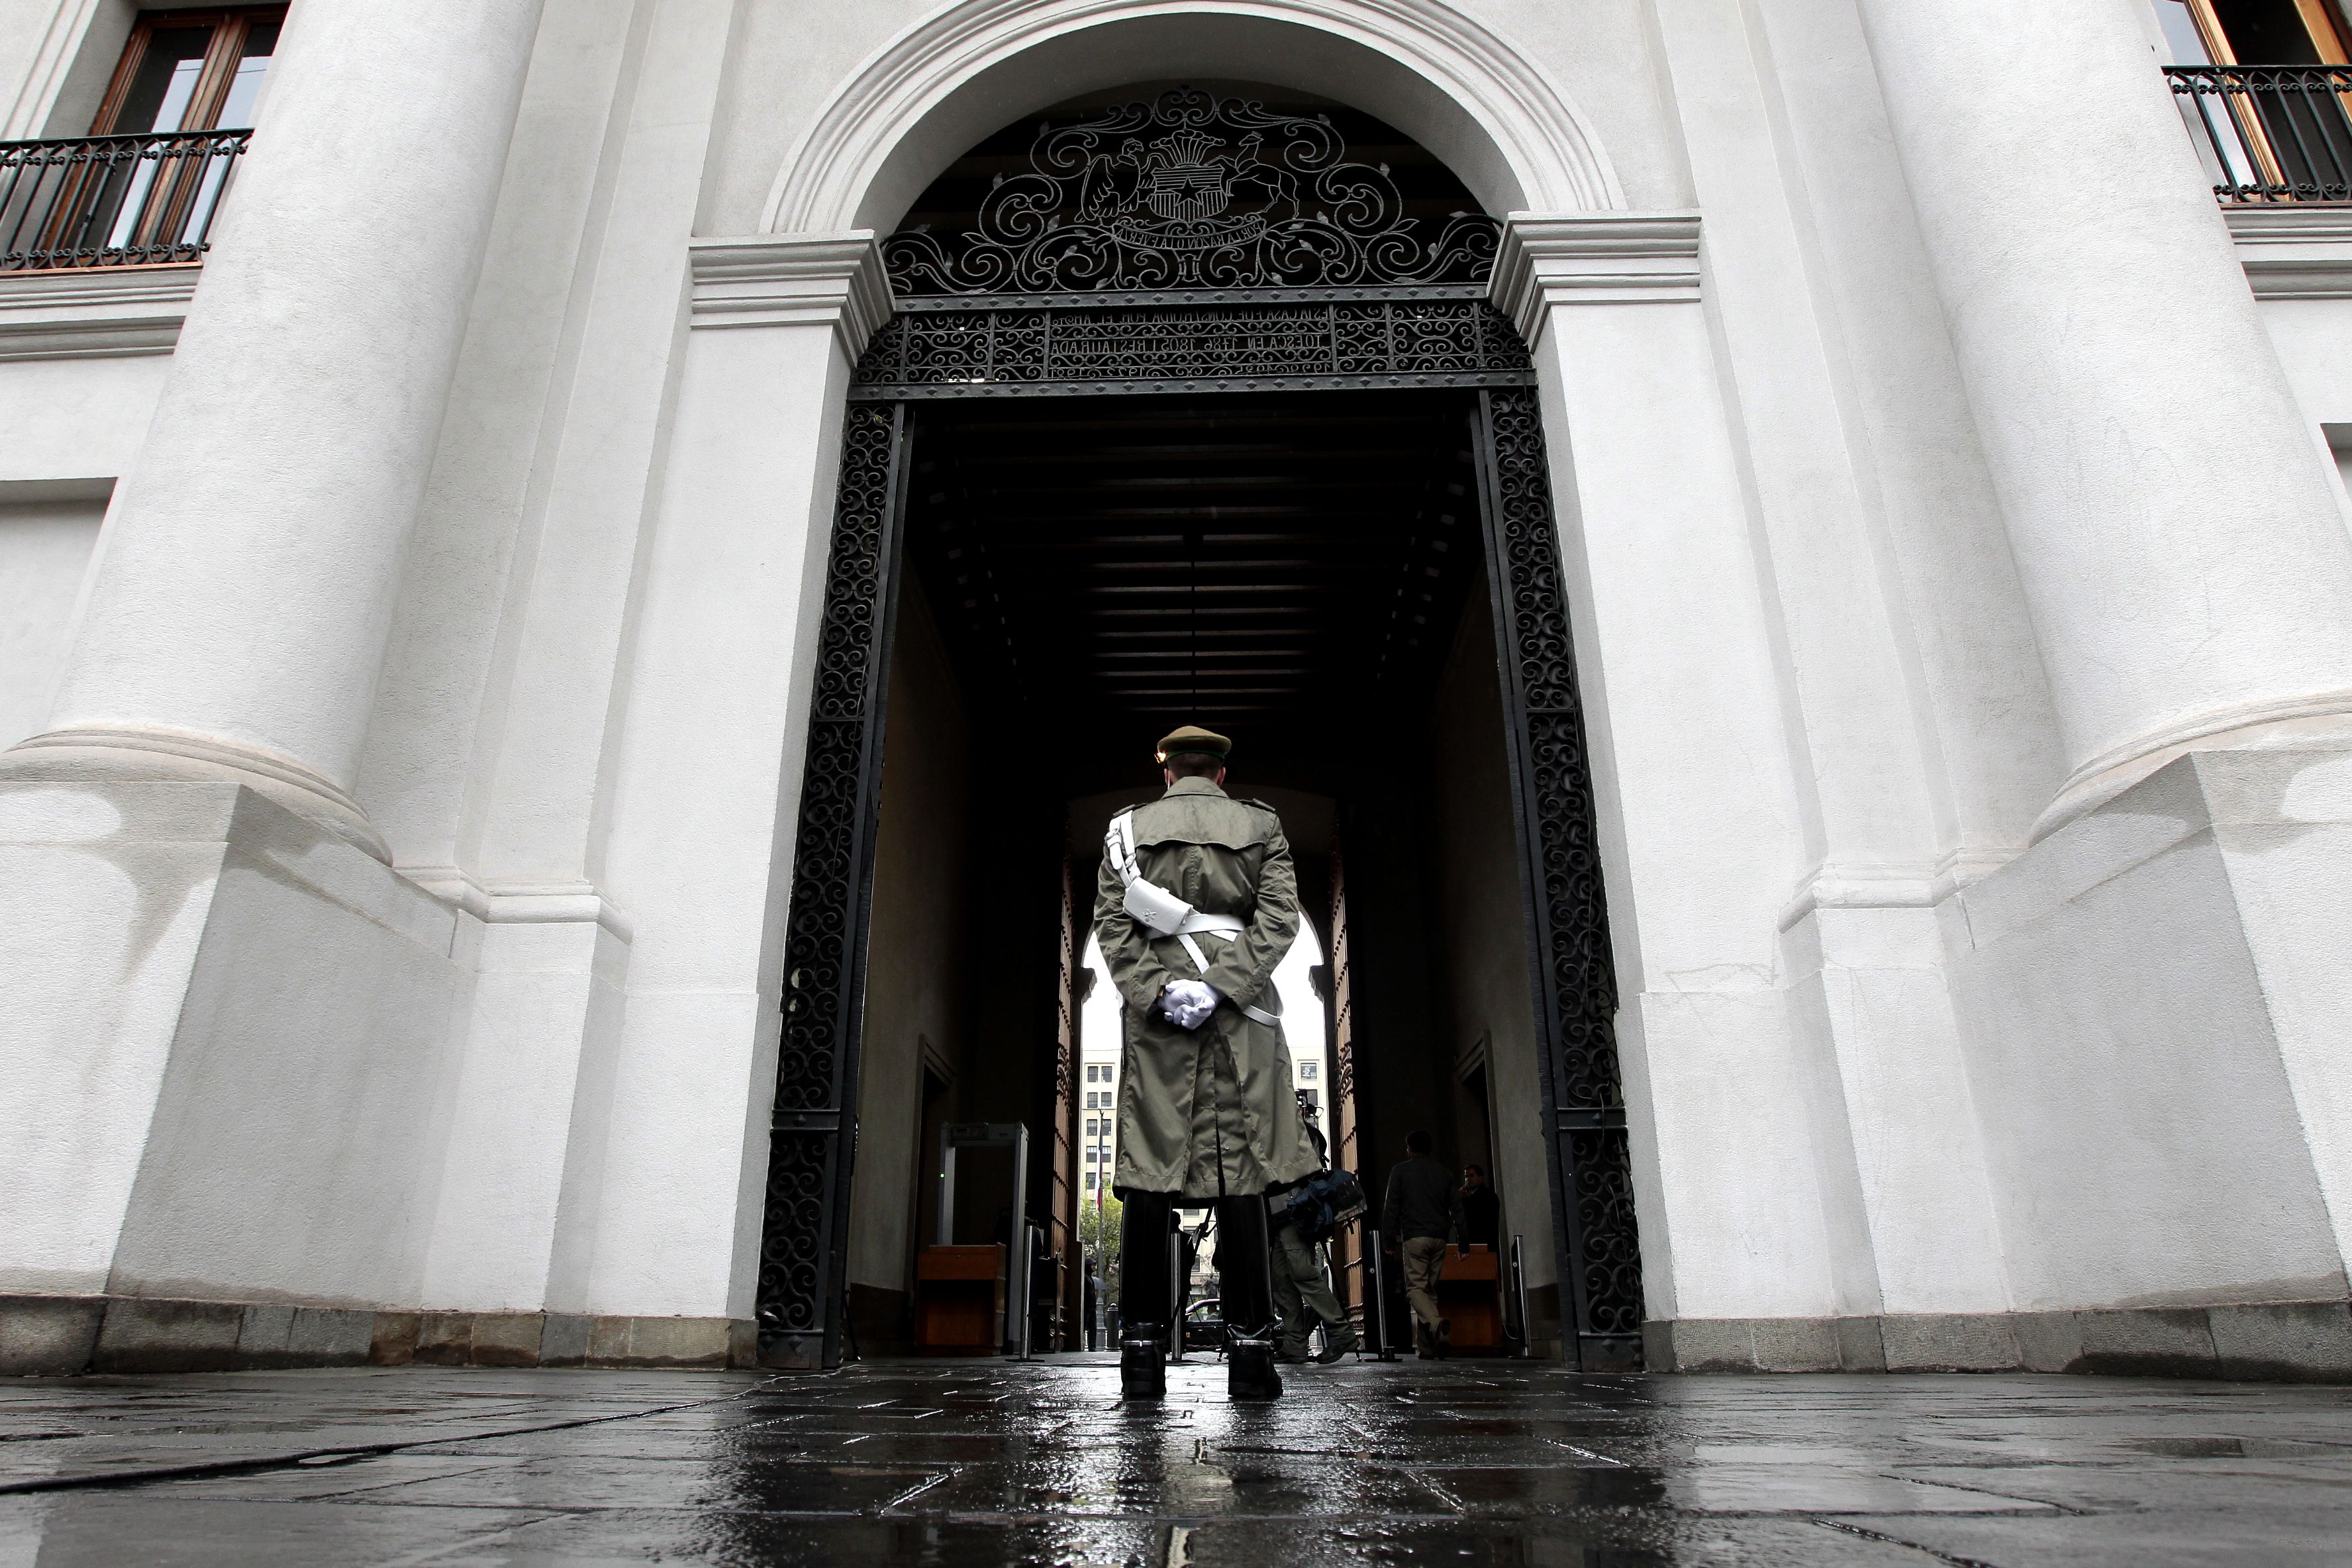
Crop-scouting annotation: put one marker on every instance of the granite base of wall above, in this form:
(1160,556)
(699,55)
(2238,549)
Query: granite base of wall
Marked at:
(2293,1341)
(60,1334)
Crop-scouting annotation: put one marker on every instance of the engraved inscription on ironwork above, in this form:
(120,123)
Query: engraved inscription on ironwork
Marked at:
(1191,192)
(1357,342)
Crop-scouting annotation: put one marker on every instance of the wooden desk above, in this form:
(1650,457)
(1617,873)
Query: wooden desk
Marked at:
(960,1300)
(1470,1298)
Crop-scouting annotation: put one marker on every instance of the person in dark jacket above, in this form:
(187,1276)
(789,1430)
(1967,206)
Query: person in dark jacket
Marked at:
(1477,1212)
(1417,1215)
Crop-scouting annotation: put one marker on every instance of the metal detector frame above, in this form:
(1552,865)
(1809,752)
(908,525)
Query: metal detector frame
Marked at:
(957,1136)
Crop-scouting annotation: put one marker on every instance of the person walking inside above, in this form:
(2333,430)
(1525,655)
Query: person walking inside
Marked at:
(1418,1211)
(1302,1285)
(1196,904)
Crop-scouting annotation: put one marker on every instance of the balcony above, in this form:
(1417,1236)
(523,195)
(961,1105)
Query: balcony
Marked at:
(91,202)
(2270,134)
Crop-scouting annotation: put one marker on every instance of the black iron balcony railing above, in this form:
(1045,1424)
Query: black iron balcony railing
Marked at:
(112,201)
(2270,133)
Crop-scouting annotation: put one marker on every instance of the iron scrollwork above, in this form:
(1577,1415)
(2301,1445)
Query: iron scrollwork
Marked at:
(1033,350)
(1576,979)
(1190,192)
(803,1236)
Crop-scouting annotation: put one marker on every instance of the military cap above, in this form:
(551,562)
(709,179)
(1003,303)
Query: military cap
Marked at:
(1192,738)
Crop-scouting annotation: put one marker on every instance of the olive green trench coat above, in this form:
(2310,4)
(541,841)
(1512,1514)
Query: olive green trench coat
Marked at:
(1205,1112)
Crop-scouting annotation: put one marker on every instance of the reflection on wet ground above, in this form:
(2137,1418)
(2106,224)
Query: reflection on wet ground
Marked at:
(985,1462)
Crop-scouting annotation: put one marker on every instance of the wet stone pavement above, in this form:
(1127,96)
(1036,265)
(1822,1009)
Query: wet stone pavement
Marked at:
(985,1462)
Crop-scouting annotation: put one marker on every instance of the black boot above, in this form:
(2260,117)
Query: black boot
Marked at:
(1147,1228)
(1249,1365)
(1142,1362)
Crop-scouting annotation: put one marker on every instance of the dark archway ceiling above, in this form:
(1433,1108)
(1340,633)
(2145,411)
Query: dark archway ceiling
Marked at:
(1287,568)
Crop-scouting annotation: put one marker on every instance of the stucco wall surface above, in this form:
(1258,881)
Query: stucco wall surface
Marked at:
(45,551)
(295,1132)
(2167,1138)
(77,418)
(229,1053)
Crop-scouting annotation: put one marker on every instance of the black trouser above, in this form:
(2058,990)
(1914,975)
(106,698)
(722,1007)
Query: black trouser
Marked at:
(1147,1291)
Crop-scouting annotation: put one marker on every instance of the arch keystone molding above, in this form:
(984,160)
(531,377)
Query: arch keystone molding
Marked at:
(913,106)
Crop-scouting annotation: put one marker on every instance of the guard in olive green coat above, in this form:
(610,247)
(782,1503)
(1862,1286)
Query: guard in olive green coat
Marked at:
(1196,905)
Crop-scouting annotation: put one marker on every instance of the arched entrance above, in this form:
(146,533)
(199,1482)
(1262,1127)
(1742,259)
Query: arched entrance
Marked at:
(1200,246)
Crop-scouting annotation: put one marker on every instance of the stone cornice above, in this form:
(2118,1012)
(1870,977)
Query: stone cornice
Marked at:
(94,312)
(2293,252)
(1592,259)
(793,280)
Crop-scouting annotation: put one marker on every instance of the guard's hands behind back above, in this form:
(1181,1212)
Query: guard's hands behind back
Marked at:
(1187,1004)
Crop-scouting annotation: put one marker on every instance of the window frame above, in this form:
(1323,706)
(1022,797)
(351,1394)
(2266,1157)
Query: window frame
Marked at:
(231,25)
(2320,19)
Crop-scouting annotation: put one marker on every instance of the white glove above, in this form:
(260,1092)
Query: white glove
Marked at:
(1188,1004)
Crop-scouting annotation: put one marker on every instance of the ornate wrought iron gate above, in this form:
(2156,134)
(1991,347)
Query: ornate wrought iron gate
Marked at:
(1144,291)
(1568,960)
(813,1136)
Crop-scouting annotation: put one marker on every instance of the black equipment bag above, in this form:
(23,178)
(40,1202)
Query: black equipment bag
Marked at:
(1321,1205)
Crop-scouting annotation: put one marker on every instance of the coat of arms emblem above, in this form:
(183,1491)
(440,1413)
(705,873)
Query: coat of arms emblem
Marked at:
(1190,192)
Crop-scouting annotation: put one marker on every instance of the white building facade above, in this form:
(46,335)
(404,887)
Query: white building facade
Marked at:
(415,648)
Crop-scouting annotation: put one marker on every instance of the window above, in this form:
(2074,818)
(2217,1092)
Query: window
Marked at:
(1312,1098)
(1094,1156)
(190,70)
(2264,87)
(1094,1075)
(176,114)
(1090,1181)
(1306,1071)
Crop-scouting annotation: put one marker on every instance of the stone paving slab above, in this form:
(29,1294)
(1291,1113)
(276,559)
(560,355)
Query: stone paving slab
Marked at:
(985,1462)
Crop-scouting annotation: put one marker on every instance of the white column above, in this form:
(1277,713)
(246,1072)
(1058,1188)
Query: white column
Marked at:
(2183,555)
(249,566)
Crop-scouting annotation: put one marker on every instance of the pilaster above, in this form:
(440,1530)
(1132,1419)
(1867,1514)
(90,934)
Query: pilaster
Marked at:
(1682,692)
